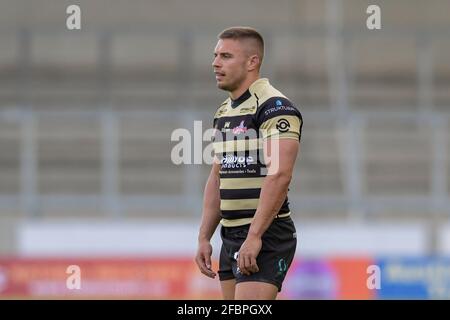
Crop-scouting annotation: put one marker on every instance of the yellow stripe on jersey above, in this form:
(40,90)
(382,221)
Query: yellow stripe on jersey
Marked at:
(284,126)
(235,222)
(244,221)
(241,183)
(237,145)
(240,204)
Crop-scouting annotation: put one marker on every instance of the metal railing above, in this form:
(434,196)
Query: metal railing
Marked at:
(351,124)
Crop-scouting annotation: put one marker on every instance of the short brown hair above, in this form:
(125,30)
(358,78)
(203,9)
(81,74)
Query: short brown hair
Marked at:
(240,33)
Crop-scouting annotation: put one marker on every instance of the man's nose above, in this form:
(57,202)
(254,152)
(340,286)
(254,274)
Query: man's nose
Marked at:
(216,62)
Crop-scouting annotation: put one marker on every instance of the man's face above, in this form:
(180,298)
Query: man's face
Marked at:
(230,61)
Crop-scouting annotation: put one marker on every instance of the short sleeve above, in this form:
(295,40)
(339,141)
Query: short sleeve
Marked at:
(278,118)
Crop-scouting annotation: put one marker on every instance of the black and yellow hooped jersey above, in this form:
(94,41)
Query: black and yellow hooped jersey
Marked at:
(241,126)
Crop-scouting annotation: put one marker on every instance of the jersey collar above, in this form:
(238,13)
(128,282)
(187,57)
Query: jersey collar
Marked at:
(242,98)
(256,88)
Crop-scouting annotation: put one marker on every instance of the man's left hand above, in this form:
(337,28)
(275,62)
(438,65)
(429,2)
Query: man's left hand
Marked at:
(247,255)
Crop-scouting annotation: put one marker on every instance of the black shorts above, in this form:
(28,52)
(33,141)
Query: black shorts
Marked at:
(278,249)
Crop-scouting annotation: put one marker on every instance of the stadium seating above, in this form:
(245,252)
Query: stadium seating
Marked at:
(148,66)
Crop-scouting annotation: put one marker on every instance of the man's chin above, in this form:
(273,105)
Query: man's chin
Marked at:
(223,86)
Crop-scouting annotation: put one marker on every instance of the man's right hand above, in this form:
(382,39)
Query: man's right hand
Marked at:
(203,259)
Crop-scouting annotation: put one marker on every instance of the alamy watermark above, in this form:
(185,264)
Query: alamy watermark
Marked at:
(374,279)
(73,281)
(73,21)
(373,22)
(236,148)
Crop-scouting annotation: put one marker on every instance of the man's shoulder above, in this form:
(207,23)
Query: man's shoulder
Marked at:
(274,100)
(276,107)
(270,95)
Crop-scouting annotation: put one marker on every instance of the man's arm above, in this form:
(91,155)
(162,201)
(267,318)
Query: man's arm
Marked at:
(273,194)
(210,220)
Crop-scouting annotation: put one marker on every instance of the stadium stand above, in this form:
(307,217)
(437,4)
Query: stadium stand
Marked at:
(86,117)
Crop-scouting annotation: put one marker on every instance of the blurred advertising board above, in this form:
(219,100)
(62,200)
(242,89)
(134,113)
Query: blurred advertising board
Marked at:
(328,278)
(167,278)
(415,278)
(179,278)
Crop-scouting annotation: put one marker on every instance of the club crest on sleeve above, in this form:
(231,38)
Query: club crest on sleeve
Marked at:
(283,125)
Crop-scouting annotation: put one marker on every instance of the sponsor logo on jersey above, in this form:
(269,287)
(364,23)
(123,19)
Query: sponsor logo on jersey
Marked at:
(283,125)
(226,127)
(240,128)
(232,161)
(247,109)
(278,108)
(222,112)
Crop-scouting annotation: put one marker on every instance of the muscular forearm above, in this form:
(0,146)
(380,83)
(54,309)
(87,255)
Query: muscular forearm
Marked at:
(211,209)
(273,194)
(210,220)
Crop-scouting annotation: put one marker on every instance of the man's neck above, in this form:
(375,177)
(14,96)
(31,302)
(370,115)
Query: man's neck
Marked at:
(243,87)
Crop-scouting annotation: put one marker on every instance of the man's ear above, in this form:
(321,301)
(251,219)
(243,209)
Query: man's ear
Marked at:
(253,62)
